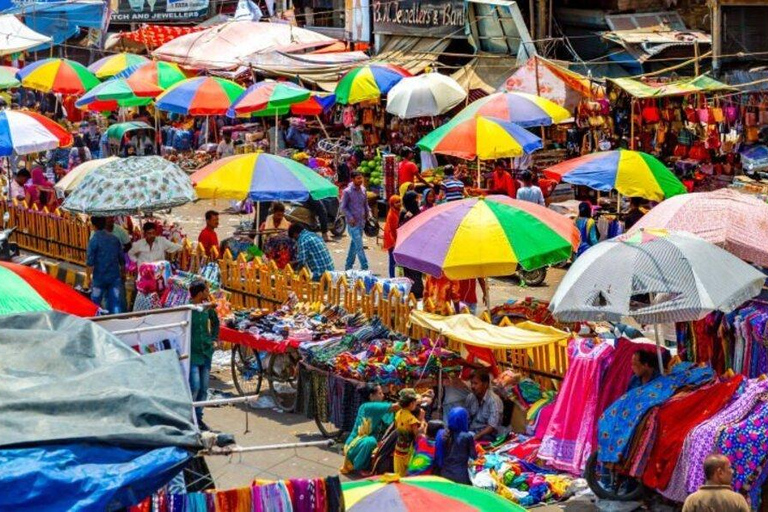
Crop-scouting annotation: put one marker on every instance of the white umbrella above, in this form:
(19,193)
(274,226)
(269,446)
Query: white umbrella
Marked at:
(73,178)
(430,94)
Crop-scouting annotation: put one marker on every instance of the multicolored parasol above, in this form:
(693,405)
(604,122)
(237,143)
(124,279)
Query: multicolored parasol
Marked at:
(113,64)
(261,177)
(368,82)
(267,94)
(480,137)
(118,92)
(201,96)
(26,132)
(389,493)
(131,186)
(315,105)
(8,77)
(518,107)
(58,75)
(159,73)
(735,221)
(24,289)
(484,237)
(631,173)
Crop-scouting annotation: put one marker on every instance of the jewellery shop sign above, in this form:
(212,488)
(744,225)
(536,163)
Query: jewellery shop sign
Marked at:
(412,17)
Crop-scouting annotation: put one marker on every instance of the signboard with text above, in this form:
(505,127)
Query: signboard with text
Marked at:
(432,18)
(154,11)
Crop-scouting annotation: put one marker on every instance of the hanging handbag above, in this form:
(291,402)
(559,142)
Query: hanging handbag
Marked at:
(717,112)
(762,114)
(698,151)
(704,115)
(680,151)
(751,133)
(690,114)
(731,113)
(685,137)
(651,112)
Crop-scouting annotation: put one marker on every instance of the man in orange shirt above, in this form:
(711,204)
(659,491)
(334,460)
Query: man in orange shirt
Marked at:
(502,182)
(208,237)
(407,172)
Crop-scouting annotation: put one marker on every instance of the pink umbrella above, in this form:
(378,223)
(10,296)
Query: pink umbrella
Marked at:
(736,222)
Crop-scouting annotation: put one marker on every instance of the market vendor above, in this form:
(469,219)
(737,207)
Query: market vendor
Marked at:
(311,251)
(485,408)
(373,418)
(502,181)
(152,247)
(407,172)
(645,368)
(275,223)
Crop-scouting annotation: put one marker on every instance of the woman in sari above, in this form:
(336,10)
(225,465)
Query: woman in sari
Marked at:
(373,418)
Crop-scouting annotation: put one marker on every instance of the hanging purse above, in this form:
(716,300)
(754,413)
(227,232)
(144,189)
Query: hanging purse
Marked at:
(717,112)
(651,112)
(690,114)
(731,113)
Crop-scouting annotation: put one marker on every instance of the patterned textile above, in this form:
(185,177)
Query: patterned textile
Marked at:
(154,36)
(617,424)
(312,253)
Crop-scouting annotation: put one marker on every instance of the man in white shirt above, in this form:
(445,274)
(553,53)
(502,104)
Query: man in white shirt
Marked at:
(151,247)
(226,147)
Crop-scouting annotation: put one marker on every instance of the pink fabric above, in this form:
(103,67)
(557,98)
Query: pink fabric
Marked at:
(568,441)
(542,422)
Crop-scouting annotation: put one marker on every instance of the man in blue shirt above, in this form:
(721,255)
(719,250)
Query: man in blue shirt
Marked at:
(105,268)
(354,204)
(530,192)
(311,251)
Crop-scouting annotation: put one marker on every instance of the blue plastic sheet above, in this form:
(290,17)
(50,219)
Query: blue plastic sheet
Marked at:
(61,20)
(84,477)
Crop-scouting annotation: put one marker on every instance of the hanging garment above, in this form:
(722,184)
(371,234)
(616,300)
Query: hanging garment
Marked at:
(676,419)
(617,424)
(568,440)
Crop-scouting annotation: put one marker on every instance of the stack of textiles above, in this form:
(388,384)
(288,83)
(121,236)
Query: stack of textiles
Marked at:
(509,471)
(531,309)
(294,495)
(737,341)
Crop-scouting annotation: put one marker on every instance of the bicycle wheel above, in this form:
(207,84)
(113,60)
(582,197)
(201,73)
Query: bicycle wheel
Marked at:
(247,372)
(282,375)
(327,429)
(607,484)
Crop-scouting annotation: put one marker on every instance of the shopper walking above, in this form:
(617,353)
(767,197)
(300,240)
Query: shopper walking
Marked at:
(354,204)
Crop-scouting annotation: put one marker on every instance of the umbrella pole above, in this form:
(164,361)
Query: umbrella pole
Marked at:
(618,203)
(478,172)
(276,127)
(488,296)
(322,126)
(157,132)
(658,348)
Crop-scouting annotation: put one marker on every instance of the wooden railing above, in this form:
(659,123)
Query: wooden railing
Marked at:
(260,284)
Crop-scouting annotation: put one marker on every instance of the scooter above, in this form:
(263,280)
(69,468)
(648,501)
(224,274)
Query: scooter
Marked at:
(534,277)
(300,212)
(9,251)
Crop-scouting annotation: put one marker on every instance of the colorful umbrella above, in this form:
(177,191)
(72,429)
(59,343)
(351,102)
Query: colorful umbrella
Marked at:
(161,74)
(261,177)
(390,493)
(734,221)
(518,107)
(73,178)
(632,173)
(267,94)
(24,289)
(113,64)
(430,94)
(118,92)
(480,137)
(58,75)
(315,105)
(201,96)
(484,237)
(368,82)
(131,186)
(8,77)
(25,132)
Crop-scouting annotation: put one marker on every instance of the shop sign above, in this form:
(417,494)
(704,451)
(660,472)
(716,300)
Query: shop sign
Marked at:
(413,17)
(153,11)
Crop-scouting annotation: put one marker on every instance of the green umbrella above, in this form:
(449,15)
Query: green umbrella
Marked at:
(8,77)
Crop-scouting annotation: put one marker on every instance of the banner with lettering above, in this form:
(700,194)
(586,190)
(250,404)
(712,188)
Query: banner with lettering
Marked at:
(153,11)
(433,18)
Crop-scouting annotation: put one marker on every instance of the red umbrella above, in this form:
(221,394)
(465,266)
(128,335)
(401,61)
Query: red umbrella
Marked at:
(24,289)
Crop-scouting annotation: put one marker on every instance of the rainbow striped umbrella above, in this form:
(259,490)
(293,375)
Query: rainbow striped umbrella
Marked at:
(159,73)
(58,75)
(484,237)
(390,493)
(113,64)
(201,96)
(631,173)
(24,289)
(8,77)
(518,107)
(480,137)
(118,92)
(267,94)
(261,177)
(314,105)
(368,82)
(24,132)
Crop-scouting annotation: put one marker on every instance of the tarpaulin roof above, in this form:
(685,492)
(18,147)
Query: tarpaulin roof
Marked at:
(153,36)
(412,53)
(17,37)
(226,46)
(700,84)
(323,69)
(471,330)
(62,19)
(485,72)
(88,424)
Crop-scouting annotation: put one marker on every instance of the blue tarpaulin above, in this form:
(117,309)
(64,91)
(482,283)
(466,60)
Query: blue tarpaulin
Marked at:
(84,477)
(59,20)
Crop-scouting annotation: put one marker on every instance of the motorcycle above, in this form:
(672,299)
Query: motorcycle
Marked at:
(301,213)
(534,277)
(9,251)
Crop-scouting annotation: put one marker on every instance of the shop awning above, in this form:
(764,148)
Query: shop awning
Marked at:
(486,72)
(701,84)
(412,53)
(321,69)
(471,330)
(16,37)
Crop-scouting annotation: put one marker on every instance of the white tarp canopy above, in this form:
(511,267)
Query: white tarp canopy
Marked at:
(16,37)
(228,45)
